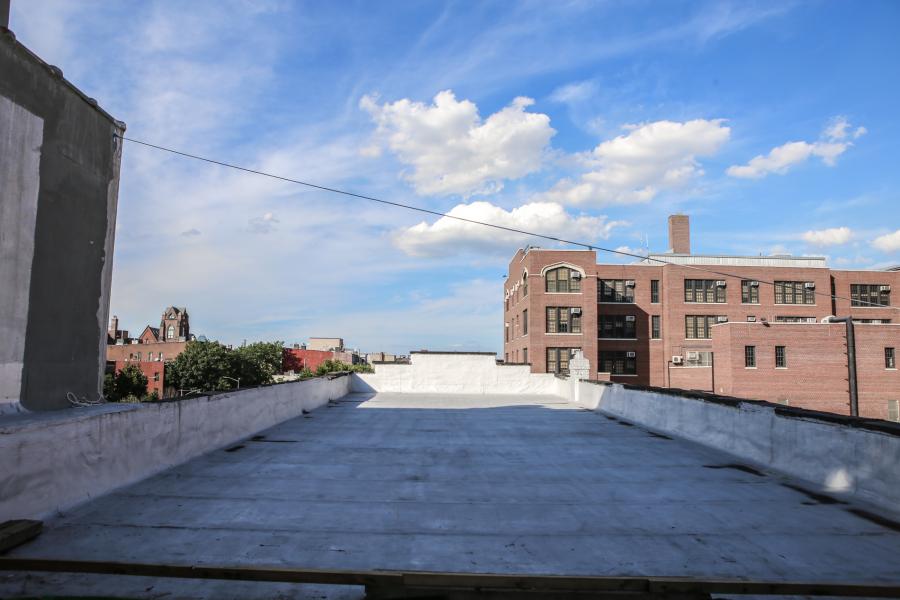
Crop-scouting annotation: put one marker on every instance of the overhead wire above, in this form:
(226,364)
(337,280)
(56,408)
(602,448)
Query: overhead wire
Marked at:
(436,213)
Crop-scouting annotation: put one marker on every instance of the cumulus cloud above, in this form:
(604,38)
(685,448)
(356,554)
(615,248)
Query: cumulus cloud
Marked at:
(448,236)
(263,224)
(828,237)
(834,141)
(449,149)
(889,242)
(649,158)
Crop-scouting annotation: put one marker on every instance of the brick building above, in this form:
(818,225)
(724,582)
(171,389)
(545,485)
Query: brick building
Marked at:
(672,325)
(153,347)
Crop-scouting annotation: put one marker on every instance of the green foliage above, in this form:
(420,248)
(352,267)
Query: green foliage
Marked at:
(128,383)
(257,363)
(331,366)
(211,366)
(362,368)
(306,373)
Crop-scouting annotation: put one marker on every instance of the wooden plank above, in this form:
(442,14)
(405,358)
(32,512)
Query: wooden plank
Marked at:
(422,580)
(16,533)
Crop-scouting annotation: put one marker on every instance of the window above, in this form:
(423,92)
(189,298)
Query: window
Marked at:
(890,361)
(697,327)
(563,319)
(525,321)
(894,410)
(654,327)
(615,290)
(617,327)
(171,332)
(563,279)
(696,358)
(704,290)
(872,321)
(862,294)
(749,292)
(618,362)
(558,360)
(795,319)
(506,327)
(156,376)
(795,292)
(780,357)
(525,284)
(750,357)
(654,291)
(525,355)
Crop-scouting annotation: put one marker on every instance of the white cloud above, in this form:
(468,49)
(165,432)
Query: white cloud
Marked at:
(450,150)
(828,237)
(889,242)
(633,251)
(638,165)
(263,224)
(574,92)
(831,144)
(448,236)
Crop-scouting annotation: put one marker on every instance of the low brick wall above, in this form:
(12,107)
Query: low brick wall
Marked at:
(53,461)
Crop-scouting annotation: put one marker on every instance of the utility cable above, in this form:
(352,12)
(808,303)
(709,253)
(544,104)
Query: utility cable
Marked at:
(465,220)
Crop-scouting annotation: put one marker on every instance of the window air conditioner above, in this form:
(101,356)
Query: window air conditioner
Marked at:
(630,354)
(629,317)
(576,311)
(720,283)
(693,355)
(576,274)
(722,319)
(751,319)
(677,360)
(629,283)
(754,284)
(884,288)
(809,285)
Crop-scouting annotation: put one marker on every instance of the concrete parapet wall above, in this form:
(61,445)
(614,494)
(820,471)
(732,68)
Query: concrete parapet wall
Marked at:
(858,457)
(454,373)
(53,461)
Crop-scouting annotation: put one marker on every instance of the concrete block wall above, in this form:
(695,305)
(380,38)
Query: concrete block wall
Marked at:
(838,454)
(454,373)
(52,461)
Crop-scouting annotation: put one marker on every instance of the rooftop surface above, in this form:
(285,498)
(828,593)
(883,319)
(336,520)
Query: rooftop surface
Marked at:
(463,483)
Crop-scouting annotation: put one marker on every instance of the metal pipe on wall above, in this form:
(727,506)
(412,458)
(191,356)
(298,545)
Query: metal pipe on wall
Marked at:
(851,362)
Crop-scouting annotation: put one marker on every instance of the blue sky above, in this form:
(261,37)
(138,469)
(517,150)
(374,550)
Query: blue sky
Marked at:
(772,124)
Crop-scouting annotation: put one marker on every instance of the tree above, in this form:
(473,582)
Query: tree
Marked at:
(258,362)
(129,384)
(203,366)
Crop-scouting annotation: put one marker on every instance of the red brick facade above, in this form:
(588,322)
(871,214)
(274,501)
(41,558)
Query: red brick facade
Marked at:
(692,359)
(155,373)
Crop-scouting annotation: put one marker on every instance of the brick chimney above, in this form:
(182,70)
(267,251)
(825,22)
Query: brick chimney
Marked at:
(679,234)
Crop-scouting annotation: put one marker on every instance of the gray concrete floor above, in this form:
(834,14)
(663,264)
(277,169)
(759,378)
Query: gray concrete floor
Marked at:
(498,484)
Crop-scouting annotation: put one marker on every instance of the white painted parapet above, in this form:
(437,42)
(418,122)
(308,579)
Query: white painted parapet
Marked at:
(53,461)
(454,373)
(858,457)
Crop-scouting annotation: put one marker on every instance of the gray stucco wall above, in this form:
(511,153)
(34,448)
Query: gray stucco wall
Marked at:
(61,257)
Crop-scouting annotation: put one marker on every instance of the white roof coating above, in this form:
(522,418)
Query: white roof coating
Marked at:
(462,483)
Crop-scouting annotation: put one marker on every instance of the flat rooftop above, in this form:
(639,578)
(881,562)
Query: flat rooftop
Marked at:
(462,483)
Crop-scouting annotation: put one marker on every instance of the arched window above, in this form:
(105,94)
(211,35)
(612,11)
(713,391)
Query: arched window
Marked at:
(170,334)
(563,279)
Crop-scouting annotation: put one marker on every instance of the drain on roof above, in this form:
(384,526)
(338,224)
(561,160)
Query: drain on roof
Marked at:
(738,467)
(877,519)
(817,496)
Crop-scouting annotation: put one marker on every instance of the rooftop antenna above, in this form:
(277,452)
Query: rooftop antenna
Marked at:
(4,14)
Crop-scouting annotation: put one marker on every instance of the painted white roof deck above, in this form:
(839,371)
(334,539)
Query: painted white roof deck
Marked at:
(464,483)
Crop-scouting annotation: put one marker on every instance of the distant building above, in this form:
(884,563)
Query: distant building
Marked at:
(672,325)
(328,344)
(153,347)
